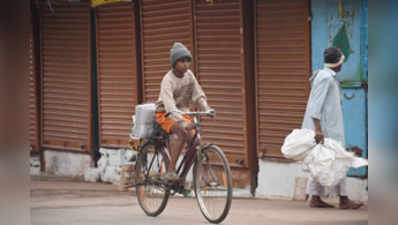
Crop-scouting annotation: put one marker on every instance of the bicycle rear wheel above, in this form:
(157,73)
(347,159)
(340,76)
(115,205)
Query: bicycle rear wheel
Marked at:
(151,193)
(213,184)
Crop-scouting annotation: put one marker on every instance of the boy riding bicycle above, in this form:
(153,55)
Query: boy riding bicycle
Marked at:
(178,90)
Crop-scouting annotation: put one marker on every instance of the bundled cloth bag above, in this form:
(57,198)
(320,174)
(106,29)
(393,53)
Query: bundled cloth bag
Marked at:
(328,163)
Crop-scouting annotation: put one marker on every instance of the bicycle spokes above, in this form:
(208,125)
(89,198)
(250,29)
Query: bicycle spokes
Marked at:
(151,193)
(213,185)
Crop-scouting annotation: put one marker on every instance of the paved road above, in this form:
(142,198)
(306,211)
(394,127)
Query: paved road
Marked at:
(72,203)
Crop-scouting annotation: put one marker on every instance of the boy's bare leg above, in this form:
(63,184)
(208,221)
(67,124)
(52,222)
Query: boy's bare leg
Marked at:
(177,139)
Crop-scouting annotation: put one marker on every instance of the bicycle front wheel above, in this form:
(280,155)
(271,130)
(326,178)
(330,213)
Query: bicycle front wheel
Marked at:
(213,184)
(152,195)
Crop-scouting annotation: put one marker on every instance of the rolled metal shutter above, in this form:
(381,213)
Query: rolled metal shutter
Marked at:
(66,76)
(163,22)
(117,72)
(33,132)
(220,68)
(282,70)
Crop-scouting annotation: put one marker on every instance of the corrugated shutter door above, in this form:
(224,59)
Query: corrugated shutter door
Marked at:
(33,132)
(220,69)
(163,22)
(66,76)
(282,69)
(117,72)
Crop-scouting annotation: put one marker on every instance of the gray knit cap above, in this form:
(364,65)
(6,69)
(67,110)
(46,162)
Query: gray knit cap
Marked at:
(177,52)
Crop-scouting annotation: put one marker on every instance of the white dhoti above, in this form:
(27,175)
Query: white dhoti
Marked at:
(315,188)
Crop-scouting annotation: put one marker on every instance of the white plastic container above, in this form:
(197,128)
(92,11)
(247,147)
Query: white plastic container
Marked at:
(144,121)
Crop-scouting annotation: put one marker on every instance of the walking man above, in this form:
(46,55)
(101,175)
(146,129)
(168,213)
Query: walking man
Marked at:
(324,115)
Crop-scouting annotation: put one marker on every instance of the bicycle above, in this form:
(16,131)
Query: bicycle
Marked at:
(211,175)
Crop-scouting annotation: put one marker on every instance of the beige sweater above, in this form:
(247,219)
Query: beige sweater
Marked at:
(177,94)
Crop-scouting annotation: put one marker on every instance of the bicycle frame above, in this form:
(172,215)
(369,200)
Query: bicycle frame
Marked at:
(190,155)
(207,183)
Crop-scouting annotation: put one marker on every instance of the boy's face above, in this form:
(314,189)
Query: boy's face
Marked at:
(182,65)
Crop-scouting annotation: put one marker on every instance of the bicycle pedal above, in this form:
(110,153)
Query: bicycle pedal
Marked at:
(169,181)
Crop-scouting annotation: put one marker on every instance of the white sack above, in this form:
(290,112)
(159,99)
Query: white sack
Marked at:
(111,175)
(103,161)
(102,164)
(115,157)
(104,152)
(92,174)
(298,143)
(328,163)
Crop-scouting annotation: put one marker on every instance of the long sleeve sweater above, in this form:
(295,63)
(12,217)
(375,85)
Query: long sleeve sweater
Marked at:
(177,94)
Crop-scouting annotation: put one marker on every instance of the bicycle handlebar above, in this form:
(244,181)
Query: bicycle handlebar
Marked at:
(208,113)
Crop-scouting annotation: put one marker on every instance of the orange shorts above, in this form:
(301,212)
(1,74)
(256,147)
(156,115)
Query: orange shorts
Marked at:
(167,123)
